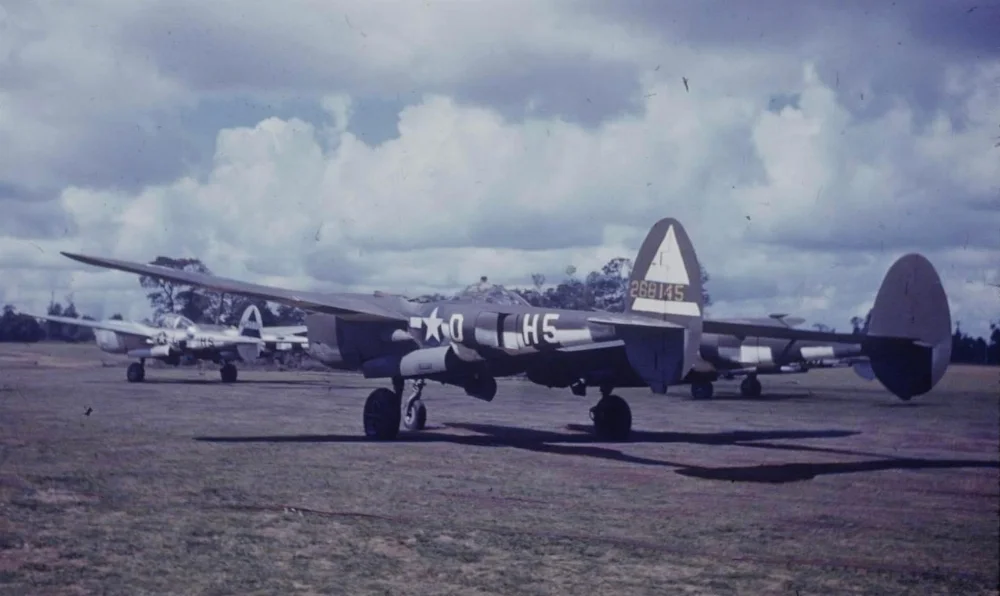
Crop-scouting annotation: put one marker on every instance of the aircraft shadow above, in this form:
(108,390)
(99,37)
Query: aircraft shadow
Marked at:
(908,404)
(797,472)
(760,398)
(581,442)
(216,381)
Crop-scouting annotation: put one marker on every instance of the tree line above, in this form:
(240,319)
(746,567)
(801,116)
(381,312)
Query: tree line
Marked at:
(601,290)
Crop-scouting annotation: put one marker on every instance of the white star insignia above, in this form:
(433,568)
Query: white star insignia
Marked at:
(433,323)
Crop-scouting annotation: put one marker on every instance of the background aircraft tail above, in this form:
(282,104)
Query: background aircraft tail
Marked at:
(665,285)
(250,324)
(908,339)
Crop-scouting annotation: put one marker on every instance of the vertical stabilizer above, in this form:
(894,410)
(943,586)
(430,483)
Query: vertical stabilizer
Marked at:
(666,285)
(250,324)
(908,339)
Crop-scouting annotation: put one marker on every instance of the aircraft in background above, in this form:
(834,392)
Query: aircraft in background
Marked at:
(655,343)
(729,356)
(177,340)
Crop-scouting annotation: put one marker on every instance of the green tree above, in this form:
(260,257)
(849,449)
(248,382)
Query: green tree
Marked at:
(170,297)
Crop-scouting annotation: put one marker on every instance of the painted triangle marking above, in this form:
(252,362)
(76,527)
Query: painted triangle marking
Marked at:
(668,263)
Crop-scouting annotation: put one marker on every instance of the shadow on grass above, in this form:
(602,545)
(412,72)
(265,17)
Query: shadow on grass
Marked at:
(763,398)
(580,442)
(209,379)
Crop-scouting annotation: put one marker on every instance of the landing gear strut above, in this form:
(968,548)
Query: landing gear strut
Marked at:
(612,417)
(416,412)
(228,372)
(750,386)
(136,372)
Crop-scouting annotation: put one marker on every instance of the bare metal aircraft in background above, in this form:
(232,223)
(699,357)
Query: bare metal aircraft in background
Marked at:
(657,342)
(177,340)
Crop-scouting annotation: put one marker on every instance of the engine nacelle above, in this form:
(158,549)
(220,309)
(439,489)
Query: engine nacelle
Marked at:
(160,351)
(108,341)
(416,363)
(324,344)
(482,387)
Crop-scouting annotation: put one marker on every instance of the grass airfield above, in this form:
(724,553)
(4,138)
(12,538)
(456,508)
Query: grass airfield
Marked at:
(827,484)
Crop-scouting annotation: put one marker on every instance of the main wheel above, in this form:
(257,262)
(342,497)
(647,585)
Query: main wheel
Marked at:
(750,387)
(612,418)
(228,373)
(136,373)
(416,416)
(382,415)
(702,390)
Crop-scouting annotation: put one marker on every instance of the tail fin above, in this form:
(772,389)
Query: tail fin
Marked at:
(249,326)
(910,305)
(665,284)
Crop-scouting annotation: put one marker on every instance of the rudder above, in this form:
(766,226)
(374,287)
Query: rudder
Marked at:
(250,325)
(912,306)
(665,284)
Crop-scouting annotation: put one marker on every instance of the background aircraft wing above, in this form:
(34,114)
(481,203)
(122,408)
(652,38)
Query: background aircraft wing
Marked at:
(287,331)
(125,327)
(743,330)
(219,339)
(346,305)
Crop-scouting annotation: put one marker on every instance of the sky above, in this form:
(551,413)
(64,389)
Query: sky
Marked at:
(412,146)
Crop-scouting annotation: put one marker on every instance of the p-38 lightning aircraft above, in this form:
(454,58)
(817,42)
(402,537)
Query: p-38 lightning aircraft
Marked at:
(178,339)
(655,343)
(730,356)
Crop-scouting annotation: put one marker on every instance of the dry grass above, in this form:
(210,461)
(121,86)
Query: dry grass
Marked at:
(183,485)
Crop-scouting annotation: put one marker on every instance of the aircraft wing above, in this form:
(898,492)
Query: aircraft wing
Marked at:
(743,330)
(346,305)
(126,327)
(290,331)
(221,339)
(630,320)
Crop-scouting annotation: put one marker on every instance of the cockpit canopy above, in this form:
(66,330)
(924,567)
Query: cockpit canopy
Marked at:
(174,321)
(490,294)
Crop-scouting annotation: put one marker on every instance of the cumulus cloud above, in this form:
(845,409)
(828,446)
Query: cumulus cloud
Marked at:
(504,163)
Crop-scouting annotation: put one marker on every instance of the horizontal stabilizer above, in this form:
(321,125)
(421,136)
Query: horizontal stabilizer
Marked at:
(864,370)
(632,320)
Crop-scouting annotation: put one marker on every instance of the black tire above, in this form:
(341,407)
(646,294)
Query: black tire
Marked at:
(612,418)
(702,390)
(135,373)
(416,416)
(228,373)
(382,415)
(750,388)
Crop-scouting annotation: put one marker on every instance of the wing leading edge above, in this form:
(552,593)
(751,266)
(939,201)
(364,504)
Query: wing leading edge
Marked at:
(353,306)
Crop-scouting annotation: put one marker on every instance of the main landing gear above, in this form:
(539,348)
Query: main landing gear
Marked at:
(136,372)
(750,386)
(228,372)
(612,416)
(702,389)
(382,411)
